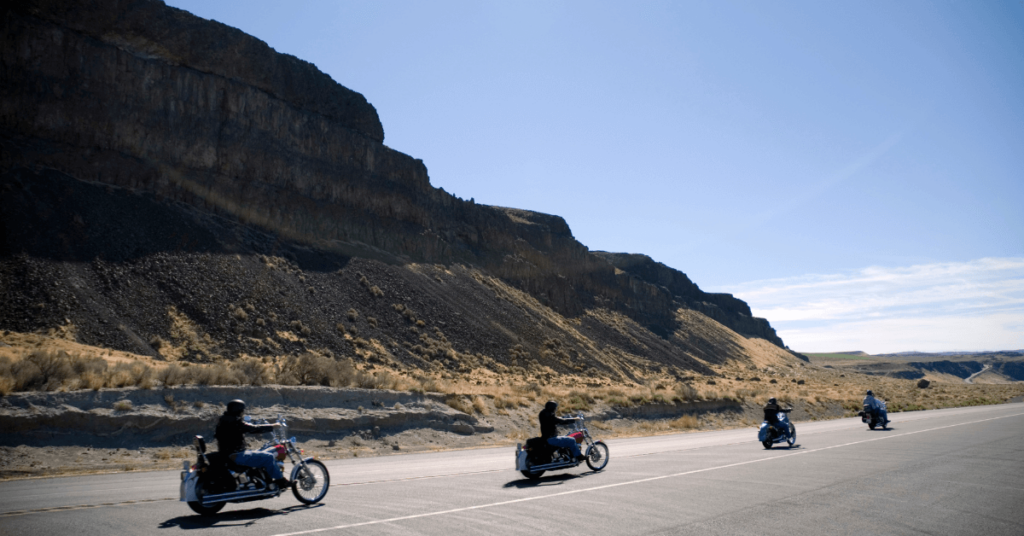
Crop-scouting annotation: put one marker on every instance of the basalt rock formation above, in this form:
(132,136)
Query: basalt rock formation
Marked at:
(134,134)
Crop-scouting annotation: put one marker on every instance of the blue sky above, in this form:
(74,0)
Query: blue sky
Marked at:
(752,145)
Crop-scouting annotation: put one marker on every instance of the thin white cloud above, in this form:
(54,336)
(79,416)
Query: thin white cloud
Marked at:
(898,309)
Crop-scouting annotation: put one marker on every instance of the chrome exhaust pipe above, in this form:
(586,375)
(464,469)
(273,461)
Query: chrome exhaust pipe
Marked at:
(550,466)
(248,494)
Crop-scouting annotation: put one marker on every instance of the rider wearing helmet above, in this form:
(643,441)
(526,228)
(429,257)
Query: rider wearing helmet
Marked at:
(876,405)
(771,412)
(549,431)
(230,435)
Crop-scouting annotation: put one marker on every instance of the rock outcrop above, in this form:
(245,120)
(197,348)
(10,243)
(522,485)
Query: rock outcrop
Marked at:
(147,99)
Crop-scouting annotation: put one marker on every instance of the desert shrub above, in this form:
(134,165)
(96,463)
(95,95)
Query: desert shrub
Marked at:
(372,321)
(311,369)
(6,376)
(433,385)
(123,405)
(459,403)
(252,371)
(172,375)
(480,406)
(686,393)
(378,380)
(577,401)
(353,315)
(376,291)
(91,371)
(47,370)
(686,422)
(239,314)
(130,374)
(217,374)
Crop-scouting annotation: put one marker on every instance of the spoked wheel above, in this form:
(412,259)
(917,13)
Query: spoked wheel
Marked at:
(309,485)
(597,457)
(532,475)
(767,443)
(197,506)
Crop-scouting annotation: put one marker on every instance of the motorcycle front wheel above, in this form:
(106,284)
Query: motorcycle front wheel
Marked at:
(792,436)
(197,506)
(310,485)
(597,458)
(767,444)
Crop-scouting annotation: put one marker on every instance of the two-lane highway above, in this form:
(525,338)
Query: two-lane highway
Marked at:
(957,471)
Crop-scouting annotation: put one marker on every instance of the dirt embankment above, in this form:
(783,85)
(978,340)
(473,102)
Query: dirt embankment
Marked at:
(136,429)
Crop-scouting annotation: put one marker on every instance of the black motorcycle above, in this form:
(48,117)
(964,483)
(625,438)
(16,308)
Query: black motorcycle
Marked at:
(872,417)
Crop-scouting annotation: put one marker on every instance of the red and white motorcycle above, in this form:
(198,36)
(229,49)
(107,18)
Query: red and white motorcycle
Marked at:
(537,456)
(214,480)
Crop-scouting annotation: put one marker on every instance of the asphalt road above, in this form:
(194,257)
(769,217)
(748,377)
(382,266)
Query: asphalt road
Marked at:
(958,471)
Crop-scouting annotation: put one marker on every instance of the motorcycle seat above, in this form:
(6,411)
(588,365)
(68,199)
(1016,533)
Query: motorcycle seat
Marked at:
(536,443)
(222,460)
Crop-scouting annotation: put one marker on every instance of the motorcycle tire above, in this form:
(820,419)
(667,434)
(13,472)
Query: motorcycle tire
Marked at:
(791,440)
(767,444)
(598,456)
(871,426)
(311,488)
(532,475)
(198,507)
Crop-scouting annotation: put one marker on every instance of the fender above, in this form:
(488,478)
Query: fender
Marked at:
(295,468)
(762,434)
(188,487)
(521,463)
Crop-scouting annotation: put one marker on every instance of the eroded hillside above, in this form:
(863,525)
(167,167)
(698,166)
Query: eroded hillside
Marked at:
(175,188)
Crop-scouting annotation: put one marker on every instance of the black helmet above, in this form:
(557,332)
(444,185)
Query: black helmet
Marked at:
(870,393)
(551,405)
(771,400)
(235,407)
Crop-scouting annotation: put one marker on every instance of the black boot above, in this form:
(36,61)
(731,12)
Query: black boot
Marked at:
(283,483)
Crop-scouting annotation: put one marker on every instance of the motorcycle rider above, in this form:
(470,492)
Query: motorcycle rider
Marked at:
(230,435)
(549,430)
(771,414)
(877,406)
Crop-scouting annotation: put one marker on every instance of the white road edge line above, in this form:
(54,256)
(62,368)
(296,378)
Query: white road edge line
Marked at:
(631,482)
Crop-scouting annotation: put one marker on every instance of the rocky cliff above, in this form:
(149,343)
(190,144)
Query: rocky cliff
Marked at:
(197,120)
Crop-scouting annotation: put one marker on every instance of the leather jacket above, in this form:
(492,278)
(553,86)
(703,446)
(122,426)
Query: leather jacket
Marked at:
(549,423)
(231,430)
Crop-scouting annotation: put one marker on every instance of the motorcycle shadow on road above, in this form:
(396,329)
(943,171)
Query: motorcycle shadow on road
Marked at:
(545,481)
(232,518)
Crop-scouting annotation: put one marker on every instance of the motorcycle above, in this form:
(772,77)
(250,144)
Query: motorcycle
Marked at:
(537,456)
(783,431)
(871,417)
(214,480)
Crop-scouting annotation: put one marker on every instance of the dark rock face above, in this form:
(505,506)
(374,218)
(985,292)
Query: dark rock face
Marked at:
(724,308)
(136,95)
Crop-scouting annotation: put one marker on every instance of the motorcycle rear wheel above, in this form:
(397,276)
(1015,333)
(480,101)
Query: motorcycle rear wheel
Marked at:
(311,487)
(871,426)
(597,458)
(197,506)
(532,475)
